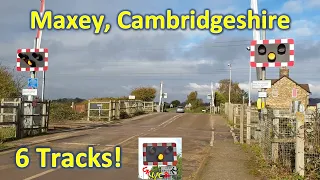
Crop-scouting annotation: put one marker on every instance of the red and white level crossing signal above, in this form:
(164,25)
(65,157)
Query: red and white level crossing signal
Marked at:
(32,59)
(160,154)
(272,53)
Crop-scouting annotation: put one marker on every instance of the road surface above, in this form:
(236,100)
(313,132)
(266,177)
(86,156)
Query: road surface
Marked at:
(195,130)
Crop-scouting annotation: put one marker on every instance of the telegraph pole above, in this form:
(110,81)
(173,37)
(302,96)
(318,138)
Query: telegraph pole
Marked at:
(212,98)
(229,83)
(263,69)
(38,44)
(160,99)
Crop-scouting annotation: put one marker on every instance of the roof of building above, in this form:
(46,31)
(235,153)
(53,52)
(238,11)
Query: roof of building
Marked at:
(303,86)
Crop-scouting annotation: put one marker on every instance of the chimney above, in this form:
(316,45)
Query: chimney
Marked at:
(284,71)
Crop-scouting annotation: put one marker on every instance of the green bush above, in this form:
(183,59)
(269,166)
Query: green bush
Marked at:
(63,112)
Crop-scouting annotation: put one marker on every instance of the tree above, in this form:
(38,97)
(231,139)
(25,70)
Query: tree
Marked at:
(9,85)
(193,100)
(192,97)
(219,99)
(237,93)
(144,93)
(175,103)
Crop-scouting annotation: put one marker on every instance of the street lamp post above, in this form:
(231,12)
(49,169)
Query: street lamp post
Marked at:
(229,83)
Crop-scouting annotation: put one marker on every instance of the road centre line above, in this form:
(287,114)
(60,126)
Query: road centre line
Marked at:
(108,148)
(212,132)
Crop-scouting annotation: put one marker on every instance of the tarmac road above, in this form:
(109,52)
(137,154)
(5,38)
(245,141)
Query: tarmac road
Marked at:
(195,130)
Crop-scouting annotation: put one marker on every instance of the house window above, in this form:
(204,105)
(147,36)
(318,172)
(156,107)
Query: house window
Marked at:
(274,92)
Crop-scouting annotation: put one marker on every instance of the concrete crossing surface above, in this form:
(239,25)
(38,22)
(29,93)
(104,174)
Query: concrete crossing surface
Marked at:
(203,138)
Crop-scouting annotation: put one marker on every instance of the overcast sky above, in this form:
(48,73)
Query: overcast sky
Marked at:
(85,65)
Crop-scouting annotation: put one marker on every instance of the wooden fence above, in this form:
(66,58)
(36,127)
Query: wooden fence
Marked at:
(20,118)
(286,136)
(115,109)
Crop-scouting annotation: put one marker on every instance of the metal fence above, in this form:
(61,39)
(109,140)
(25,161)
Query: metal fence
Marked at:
(290,139)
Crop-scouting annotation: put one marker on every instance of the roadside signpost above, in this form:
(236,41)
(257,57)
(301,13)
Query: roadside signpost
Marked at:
(209,96)
(165,95)
(265,84)
(29,92)
(33,83)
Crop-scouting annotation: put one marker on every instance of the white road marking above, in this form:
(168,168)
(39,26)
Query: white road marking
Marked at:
(108,145)
(108,148)
(212,138)
(43,173)
(81,144)
(212,132)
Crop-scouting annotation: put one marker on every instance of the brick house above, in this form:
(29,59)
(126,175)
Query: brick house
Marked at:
(284,90)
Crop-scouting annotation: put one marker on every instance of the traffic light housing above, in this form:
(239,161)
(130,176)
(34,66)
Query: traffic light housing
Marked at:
(32,59)
(160,154)
(272,53)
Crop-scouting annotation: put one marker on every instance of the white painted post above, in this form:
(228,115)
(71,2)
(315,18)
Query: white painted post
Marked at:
(2,110)
(241,123)
(299,165)
(44,116)
(248,125)
(110,110)
(88,117)
(275,145)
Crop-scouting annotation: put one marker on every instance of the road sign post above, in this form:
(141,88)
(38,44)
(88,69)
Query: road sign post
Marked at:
(33,83)
(31,60)
(270,53)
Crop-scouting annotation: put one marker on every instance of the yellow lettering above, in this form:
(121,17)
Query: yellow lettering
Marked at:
(78,160)
(184,19)
(229,22)
(59,22)
(84,22)
(252,17)
(154,20)
(264,19)
(93,158)
(43,156)
(137,22)
(54,159)
(284,22)
(36,22)
(272,18)
(204,18)
(22,160)
(241,21)
(97,23)
(72,22)
(192,19)
(171,17)
(120,20)
(67,160)
(216,28)
(106,158)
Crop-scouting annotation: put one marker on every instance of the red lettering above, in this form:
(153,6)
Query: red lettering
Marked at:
(145,170)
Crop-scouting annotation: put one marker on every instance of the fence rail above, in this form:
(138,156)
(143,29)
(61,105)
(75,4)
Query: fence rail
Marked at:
(286,137)
(17,120)
(115,109)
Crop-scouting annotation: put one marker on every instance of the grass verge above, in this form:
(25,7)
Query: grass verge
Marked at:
(260,167)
